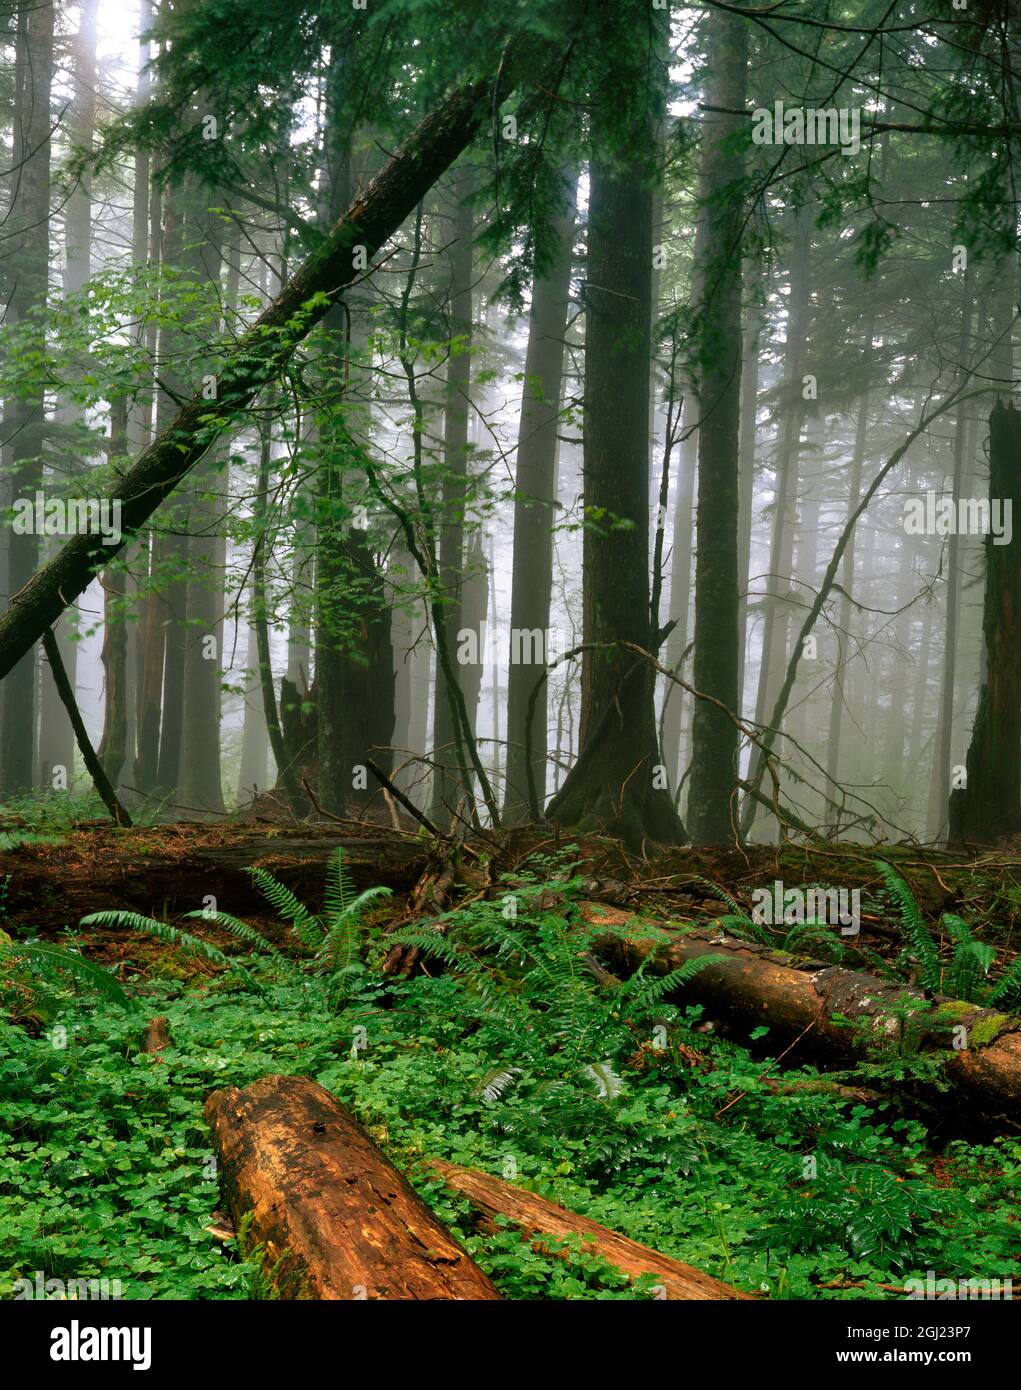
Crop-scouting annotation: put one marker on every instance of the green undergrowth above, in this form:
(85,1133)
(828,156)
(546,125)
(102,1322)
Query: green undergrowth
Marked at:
(514,1060)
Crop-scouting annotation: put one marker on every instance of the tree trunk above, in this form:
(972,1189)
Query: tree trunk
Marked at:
(943,751)
(27,250)
(335,1219)
(779,581)
(711,809)
(474,612)
(847,586)
(56,736)
(201,775)
(534,506)
(411,655)
(113,746)
(254,774)
(746,483)
(992,800)
(451,558)
(617,784)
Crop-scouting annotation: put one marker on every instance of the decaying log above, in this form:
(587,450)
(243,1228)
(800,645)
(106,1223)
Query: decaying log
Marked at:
(540,1217)
(155,871)
(754,985)
(335,1219)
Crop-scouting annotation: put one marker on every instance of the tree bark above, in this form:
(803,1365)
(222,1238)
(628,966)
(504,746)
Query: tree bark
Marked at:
(943,749)
(711,813)
(334,1217)
(27,252)
(253,777)
(779,582)
(992,799)
(113,746)
(534,506)
(451,558)
(847,586)
(56,736)
(617,784)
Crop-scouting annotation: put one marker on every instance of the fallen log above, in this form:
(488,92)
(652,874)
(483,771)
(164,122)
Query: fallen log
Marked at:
(540,1217)
(334,1218)
(159,871)
(806,1000)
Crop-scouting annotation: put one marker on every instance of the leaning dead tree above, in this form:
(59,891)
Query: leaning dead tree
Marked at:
(91,759)
(265,349)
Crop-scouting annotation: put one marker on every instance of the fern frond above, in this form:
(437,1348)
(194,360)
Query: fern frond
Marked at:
(342,943)
(50,961)
(746,927)
(356,907)
(1007,993)
(802,935)
(607,1083)
(496,1083)
(655,990)
(722,893)
(305,925)
(971,960)
(432,943)
(340,889)
(14,839)
(245,933)
(919,939)
(162,931)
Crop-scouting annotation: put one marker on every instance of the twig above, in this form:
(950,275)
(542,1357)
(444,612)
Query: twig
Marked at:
(409,806)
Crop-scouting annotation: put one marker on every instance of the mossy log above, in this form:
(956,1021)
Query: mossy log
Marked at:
(812,1001)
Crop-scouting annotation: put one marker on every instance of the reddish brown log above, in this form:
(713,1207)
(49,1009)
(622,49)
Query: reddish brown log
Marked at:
(540,1217)
(334,1217)
(802,999)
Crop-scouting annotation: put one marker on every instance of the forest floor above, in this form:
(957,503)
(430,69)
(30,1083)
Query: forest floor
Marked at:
(495,1052)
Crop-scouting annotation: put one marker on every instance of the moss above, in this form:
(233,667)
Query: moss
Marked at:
(954,1009)
(987,1029)
(984,1028)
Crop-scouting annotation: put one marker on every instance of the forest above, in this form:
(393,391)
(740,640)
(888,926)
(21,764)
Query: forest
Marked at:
(510,654)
